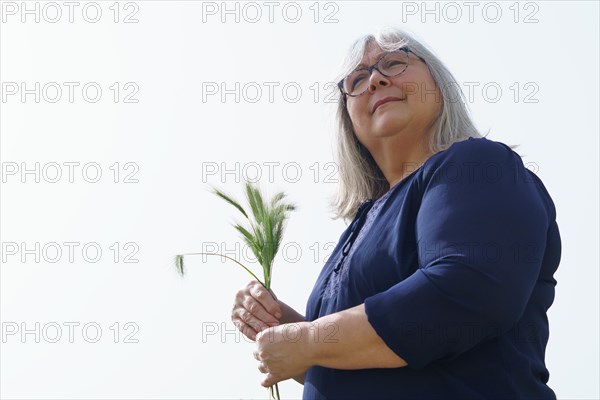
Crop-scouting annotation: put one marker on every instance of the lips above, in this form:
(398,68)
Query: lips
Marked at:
(385,100)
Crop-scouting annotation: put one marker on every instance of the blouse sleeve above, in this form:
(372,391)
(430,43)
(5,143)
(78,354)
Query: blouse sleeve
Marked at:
(481,233)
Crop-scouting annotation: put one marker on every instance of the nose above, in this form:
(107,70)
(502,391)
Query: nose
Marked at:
(377,79)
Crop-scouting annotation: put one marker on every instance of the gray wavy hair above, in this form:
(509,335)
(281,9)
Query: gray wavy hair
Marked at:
(359,176)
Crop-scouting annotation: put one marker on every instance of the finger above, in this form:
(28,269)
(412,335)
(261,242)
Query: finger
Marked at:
(269,380)
(259,355)
(246,329)
(262,368)
(244,299)
(265,298)
(246,317)
(258,311)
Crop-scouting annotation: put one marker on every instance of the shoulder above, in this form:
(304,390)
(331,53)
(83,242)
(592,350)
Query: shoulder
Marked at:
(475,156)
(477,149)
(484,168)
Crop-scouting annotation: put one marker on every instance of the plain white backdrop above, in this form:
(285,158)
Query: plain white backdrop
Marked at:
(162,98)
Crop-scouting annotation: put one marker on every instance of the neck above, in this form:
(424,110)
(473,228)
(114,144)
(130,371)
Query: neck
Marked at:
(399,160)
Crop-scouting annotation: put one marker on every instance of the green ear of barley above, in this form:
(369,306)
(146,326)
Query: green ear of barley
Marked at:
(231,201)
(251,242)
(179,264)
(263,236)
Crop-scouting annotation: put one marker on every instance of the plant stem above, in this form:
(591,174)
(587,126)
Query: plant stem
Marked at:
(229,258)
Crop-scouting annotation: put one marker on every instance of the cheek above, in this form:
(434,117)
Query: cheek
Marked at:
(424,96)
(434,100)
(357,113)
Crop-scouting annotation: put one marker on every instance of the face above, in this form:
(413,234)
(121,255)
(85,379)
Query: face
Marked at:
(401,121)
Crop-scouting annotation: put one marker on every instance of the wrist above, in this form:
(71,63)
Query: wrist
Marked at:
(310,342)
(323,337)
(288,314)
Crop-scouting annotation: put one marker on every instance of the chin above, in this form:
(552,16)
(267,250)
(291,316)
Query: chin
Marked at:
(387,129)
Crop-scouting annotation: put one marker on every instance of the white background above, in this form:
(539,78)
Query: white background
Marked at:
(175,137)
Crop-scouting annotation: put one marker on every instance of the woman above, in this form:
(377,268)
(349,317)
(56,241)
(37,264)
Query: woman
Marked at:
(440,286)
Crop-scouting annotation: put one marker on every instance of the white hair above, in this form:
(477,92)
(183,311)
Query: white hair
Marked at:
(359,176)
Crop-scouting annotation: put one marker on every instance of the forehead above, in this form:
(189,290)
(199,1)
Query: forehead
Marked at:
(371,55)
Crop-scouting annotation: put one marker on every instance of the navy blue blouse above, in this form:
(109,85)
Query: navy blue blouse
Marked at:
(455,267)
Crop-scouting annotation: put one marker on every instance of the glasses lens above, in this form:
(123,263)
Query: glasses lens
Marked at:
(357,82)
(391,64)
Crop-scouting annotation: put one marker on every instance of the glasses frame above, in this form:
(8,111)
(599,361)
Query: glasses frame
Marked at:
(375,67)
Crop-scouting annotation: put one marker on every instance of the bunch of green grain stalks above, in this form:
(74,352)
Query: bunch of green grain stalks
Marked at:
(263,235)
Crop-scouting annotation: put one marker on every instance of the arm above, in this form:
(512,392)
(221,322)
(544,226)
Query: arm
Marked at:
(481,235)
(346,340)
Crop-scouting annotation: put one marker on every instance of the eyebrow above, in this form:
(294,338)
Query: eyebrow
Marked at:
(377,58)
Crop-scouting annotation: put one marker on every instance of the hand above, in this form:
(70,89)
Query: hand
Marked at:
(255,310)
(283,352)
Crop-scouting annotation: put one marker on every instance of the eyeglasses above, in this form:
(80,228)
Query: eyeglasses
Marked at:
(389,65)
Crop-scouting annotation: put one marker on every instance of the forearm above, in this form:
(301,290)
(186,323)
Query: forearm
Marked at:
(346,340)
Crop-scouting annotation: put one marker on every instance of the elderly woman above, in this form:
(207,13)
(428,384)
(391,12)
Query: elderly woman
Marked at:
(439,287)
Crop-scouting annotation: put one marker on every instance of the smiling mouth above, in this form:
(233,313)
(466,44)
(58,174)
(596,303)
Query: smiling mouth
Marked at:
(391,101)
